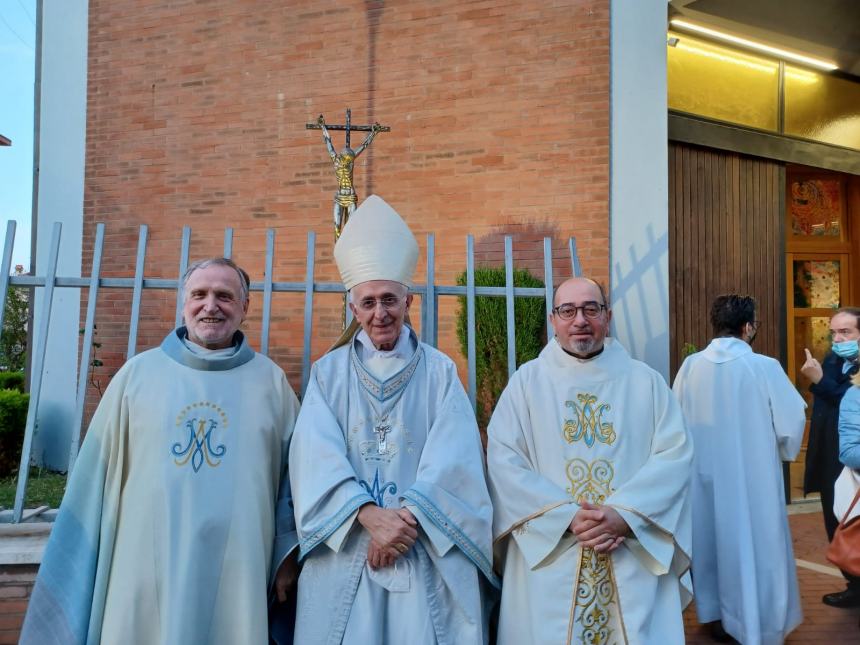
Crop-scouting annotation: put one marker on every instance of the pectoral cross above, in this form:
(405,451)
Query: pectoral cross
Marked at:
(381,430)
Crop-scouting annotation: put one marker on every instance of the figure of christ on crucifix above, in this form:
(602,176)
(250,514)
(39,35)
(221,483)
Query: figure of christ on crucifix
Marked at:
(345,199)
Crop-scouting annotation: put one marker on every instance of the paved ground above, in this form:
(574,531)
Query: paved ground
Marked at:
(821,624)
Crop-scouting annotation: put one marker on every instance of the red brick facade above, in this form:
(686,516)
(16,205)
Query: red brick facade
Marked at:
(16,583)
(499,115)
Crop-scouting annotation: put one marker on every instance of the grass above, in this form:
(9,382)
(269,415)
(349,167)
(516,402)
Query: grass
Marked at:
(44,488)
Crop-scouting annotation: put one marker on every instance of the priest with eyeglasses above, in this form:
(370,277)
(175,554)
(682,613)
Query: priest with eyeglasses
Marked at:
(589,463)
(392,507)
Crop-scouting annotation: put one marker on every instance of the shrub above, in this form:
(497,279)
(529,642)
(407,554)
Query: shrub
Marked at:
(491,341)
(13,339)
(12,381)
(13,418)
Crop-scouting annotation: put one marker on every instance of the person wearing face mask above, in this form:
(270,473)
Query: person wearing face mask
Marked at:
(745,418)
(830,380)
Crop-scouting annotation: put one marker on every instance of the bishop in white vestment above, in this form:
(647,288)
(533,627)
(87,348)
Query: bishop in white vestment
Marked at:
(178,511)
(392,508)
(584,431)
(745,418)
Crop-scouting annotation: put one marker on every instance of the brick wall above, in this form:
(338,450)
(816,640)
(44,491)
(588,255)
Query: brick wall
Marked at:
(16,583)
(196,113)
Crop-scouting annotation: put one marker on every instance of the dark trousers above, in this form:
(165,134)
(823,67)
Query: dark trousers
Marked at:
(830,524)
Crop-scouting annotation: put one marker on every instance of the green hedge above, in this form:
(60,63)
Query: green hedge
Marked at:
(13,417)
(12,381)
(491,340)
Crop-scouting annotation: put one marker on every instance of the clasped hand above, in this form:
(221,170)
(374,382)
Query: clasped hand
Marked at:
(392,533)
(599,527)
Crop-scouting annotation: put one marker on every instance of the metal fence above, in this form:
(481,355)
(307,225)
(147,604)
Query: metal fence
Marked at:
(429,293)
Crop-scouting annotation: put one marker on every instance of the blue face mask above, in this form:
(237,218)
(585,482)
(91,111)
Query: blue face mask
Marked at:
(846,349)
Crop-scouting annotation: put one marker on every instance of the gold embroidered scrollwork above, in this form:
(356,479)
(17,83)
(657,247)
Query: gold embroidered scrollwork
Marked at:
(595,604)
(588,424)
(590,481)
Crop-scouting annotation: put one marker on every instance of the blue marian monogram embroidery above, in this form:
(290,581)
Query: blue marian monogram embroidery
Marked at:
(377,491)
(588,423)
(198,448)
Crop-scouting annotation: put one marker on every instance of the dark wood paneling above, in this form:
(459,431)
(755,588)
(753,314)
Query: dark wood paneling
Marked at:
(725,235)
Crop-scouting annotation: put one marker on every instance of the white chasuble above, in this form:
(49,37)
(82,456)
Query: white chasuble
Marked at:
(178,508)
(745,418)
(606,431)
(411,441)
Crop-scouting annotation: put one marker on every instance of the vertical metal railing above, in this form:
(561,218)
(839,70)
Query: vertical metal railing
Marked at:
(137,291)
(87,349)
(183,267)
(267,291)
(428,304)
(574,258)
(509,306)
(430,292)
(548,282)
(471,355)
(8,245)
(38,368)
(228,243)
(309,310)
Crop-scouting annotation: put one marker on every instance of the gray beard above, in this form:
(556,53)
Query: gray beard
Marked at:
(585,346)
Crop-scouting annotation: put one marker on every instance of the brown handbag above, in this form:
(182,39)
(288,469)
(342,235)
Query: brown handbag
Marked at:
(844,549)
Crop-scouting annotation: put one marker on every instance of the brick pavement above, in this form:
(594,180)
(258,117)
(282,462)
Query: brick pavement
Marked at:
(821,624)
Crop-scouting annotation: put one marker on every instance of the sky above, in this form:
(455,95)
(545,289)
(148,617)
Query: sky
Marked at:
(17,74)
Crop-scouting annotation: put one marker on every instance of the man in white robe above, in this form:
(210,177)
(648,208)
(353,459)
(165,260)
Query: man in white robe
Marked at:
(745,418)
(589,464)
(392,508)
(179,505)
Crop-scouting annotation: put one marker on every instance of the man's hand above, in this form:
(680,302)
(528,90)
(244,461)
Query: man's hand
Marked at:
(392,533)
(811,369)
(286,577)
(379,558)
(407,516)
(599,527)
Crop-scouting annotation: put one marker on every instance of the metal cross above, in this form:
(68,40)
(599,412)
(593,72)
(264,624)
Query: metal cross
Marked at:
(381,430)
(347,127)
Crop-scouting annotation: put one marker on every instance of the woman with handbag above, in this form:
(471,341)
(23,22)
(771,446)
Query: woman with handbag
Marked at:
(844,549)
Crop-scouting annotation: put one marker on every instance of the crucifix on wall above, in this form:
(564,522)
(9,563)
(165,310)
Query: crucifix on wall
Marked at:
(345,199)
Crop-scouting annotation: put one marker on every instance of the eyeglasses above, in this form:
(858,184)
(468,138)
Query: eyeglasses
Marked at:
(568,311)
(388,303)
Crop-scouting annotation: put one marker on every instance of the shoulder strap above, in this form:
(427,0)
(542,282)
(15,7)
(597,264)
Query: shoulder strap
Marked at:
(851,508)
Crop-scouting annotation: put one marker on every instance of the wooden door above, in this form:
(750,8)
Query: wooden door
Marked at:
(725,236)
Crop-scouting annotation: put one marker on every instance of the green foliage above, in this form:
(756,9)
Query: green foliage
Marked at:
(491,340)
(43,488)
(12,381)
(13,340)
(13,417)
(687,349)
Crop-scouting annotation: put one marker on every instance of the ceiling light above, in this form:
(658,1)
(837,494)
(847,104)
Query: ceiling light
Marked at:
(726,58)
(751,44)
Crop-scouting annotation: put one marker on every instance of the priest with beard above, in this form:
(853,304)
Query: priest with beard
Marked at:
(589,463)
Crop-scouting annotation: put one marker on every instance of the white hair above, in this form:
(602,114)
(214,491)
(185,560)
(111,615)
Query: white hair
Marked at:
(244,279)
(350,297)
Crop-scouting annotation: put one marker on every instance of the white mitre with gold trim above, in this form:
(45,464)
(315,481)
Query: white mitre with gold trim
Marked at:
(376,244)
